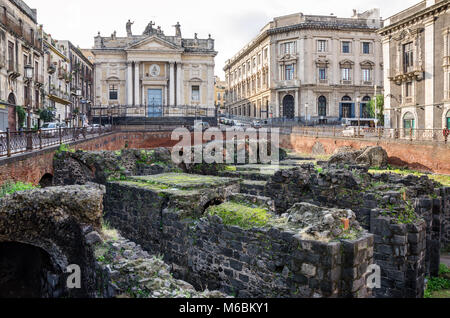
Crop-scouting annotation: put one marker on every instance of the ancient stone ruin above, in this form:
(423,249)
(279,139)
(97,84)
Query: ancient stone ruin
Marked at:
(140,226)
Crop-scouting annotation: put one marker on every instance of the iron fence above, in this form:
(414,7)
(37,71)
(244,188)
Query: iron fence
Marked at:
(149,111)
(417,135)
(17,142)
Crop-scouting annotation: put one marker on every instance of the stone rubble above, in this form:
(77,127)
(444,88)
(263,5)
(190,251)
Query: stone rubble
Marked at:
(319,223)
(134,273)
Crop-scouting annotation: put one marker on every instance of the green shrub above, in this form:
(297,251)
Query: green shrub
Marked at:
(240,214)
(10,187)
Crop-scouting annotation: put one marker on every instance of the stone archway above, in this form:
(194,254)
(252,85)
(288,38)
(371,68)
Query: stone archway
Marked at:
(289,107)
(46,180)
(27,272)
(42,233)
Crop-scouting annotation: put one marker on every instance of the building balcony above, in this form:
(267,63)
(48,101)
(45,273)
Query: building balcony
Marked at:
(59,96)
(20,31)
(51,68)
(411,74)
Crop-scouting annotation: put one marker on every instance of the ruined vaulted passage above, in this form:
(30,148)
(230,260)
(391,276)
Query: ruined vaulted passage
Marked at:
(26,271)
(46,180)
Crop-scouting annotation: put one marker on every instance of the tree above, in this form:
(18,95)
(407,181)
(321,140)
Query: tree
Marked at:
(47,115)
(21,114)
(379,110)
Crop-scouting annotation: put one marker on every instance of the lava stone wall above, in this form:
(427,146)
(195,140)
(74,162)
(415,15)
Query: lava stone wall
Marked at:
(261,263)
(244,263)
(445,228)
(400,251)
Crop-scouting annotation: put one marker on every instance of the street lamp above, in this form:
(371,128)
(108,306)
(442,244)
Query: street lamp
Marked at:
(306,113)
(358,104)
(28,78)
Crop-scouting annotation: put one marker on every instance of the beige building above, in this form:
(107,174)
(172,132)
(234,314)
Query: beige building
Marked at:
(155,75)
(57,79)
(20,48)
(219,94)
(310,68)
(416,46)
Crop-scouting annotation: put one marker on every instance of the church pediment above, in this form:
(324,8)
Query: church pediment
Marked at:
(154,43)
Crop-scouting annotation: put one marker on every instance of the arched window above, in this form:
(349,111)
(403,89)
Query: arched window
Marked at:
(346,99)
(409,121)
(322,103)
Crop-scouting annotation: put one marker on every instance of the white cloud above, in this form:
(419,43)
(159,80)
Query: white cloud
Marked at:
(232,23)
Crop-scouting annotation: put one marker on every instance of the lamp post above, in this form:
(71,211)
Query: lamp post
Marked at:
(28,78)
(306,113)
(358,103)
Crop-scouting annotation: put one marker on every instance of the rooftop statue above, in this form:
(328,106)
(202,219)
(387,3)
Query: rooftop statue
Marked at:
(149,29)
(129,24)
(177,29)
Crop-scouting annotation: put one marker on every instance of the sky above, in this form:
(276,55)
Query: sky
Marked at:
(232,23)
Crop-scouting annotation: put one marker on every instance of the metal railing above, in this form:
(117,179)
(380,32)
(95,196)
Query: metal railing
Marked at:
(122,111)
(413,135)
(17,142)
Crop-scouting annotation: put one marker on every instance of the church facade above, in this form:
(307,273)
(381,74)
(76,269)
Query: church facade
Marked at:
(155,75)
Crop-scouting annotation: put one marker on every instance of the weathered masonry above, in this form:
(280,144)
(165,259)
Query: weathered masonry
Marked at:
(243,233)
(165,214)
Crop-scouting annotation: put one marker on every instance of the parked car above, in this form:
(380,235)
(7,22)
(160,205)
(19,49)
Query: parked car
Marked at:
(256,124)
(350,132)
(201,126)
(50,130)
(93,128)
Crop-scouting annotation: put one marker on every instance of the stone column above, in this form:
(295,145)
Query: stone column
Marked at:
(179,84)
(389,121)
(172,85)
(137,95)
(297,110)
(276,112)
(429,73)
(129,84)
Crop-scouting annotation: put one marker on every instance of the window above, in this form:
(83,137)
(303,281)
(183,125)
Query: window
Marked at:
(366,47)
(113,94)
(11,56)
(265,53)
(408,57)
(288,48)
(346,74)
(36,98)
(322,74)
(36,71)
(408,89)
(259,59)
(321,46)
(289,72)
(195,93)
(346,47)
(322,106)
(367,76)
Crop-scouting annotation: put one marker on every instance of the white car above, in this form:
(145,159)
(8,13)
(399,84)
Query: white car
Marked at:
(50,130)
(350,132)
